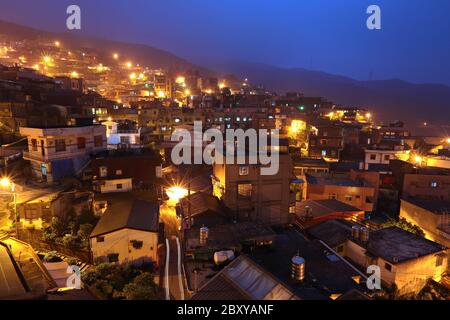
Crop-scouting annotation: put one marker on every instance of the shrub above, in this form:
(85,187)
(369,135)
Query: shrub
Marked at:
(52,256)
(142,288)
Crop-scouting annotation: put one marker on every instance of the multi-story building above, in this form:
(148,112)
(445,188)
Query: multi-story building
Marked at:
(55,153)
(352,190)
(269,199)
(432,216)
(326,142)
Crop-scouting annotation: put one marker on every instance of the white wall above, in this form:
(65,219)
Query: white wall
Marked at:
(119,242)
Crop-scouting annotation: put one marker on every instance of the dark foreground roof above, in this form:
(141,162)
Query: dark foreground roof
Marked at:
(129,213)
(332,232)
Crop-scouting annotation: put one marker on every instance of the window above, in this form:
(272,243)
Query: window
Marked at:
(81,142)
(324,153)
(245,189)
(137,244)
(243,171)
(332,196)
(118,172)
(348,198)
(33,144)
(373,156)
(387,157)
(340,249)
(388,267)
(103,171)
(98,141)
(292,209)
(439,260)
(434,184)
(119,186)
(323,142)
(100,239)
(113,257)
(60,145)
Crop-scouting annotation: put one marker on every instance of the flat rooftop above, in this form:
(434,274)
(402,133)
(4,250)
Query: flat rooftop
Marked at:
(335,181)
(433,205)
(396,245)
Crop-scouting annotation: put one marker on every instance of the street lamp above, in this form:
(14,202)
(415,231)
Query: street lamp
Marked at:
(5,183)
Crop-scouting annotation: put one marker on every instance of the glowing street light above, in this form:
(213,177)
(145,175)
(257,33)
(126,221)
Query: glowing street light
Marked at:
(448,140)
(128,64)
(176,193)
(74,74)
(5,182)
(116,56)
(57,44)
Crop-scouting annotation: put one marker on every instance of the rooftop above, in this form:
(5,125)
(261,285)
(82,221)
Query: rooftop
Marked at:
(332,232)
(396,245)
(325,207)
(128,212)
(435,205)
(336,181)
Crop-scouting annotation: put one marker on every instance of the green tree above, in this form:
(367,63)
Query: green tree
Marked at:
(142,288)
(405,225)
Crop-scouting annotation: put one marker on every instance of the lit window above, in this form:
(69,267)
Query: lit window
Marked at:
(243,171)
(324,153)
(434,184)
(292,209)
(245,190)
(118,172)
(439,260)
(103,171)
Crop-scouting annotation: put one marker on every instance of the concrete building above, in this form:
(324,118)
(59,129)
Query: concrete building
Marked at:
(354,192)
(382,155)
(125,170)
(55,153)
(266,198)
(432,216)
(128,232)
(327,142)
(406,261)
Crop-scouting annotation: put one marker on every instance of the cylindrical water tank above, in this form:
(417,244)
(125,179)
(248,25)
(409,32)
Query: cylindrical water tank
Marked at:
(355,232)
(364,234)
(204,233)
(298,268)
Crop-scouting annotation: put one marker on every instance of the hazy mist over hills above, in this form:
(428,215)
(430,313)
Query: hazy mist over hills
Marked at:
(388,99)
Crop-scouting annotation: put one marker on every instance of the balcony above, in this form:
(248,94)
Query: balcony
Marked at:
(33,156)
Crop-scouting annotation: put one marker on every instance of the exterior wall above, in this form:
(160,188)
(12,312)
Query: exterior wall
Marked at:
(109,186)
(383,156)
(354,196)
(119,242)
(419,185)
(270,197)
(428,221)
(409,276)
(50,164)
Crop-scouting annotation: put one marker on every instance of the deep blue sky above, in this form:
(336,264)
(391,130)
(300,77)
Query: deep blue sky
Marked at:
(327,35)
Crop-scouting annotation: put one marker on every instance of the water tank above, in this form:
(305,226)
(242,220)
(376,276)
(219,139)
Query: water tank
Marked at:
(221,257)
(204,233)
(355,232)
(298,268)
(364,234)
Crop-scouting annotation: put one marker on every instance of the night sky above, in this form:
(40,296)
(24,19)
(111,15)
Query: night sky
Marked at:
(326,35)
